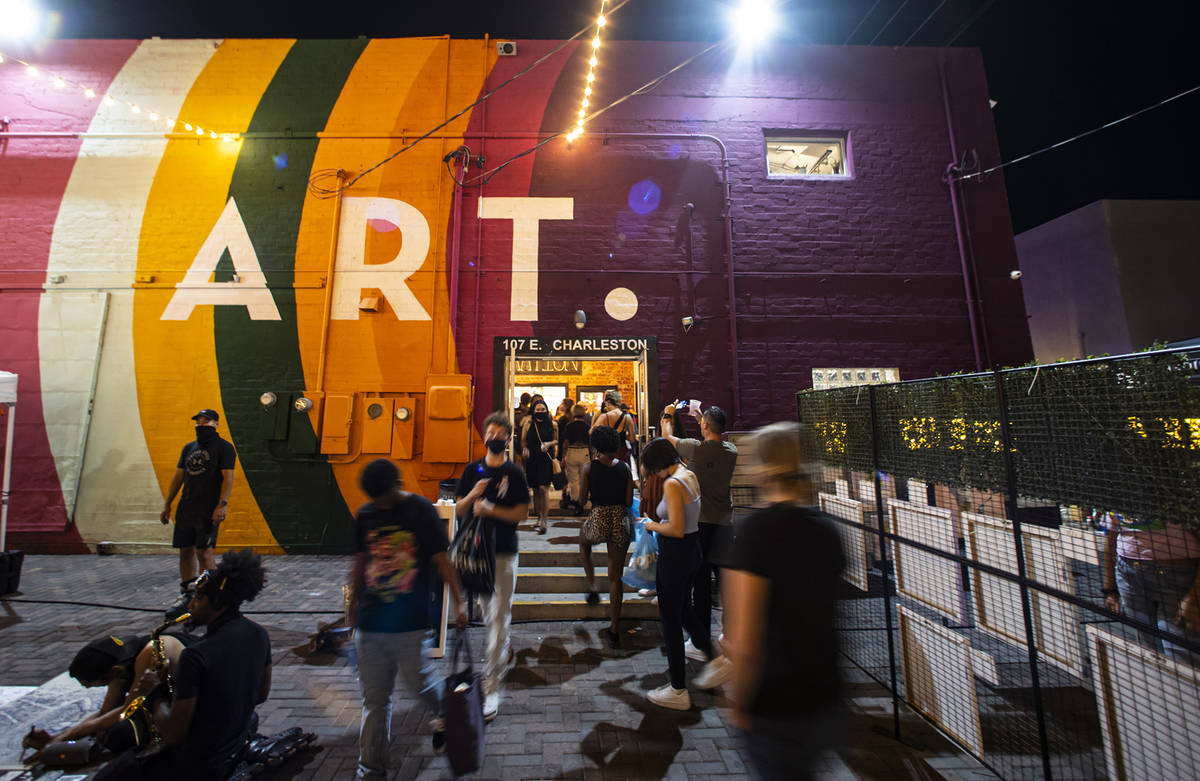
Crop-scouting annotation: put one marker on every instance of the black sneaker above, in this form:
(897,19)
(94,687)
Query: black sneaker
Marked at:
(179,608)
(439,737)
(593,598)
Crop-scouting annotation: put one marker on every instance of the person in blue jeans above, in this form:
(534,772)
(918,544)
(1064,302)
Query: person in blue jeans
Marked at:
(395,594)
(1152,574)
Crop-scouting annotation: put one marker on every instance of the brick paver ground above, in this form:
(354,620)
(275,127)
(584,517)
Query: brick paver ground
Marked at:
(573,709)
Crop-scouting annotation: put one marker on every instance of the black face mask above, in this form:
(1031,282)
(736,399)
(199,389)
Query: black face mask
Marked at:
(496,446)
(541,417)
(205,434)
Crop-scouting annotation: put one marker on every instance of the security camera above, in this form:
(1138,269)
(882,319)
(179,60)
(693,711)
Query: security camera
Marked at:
(580,318)
(1015,274)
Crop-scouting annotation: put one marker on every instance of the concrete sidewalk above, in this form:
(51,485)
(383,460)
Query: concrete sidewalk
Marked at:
(573,709)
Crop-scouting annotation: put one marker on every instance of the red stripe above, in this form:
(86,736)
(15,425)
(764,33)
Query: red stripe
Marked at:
(33,176)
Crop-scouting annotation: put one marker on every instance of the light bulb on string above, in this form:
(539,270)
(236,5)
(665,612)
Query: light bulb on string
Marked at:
(187,126)
(59,83)
(153,116)
(601,21)
(89,93)
(108,100)
(596,42)
(593,62)
(591,77)
(31,70)
(1,59)
(199,131)
(133,107)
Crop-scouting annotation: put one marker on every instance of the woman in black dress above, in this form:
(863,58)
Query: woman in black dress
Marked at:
(538,438)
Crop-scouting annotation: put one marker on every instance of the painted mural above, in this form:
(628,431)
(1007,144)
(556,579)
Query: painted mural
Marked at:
(157,275)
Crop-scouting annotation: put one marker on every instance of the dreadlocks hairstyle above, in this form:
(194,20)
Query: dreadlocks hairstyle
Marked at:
(237,579)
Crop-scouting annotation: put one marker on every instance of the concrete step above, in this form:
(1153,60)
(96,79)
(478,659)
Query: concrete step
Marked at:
(563,556)
(552,607)
(561,580)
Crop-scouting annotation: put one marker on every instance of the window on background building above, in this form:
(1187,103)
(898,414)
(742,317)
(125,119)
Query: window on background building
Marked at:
(806,156)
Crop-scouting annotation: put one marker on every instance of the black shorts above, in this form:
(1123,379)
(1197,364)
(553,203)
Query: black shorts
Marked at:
(194,529)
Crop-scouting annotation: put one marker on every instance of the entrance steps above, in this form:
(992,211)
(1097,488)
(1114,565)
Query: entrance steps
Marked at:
(551,584)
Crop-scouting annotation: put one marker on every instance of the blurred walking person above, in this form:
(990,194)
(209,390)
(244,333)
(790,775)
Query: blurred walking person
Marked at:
(779,631)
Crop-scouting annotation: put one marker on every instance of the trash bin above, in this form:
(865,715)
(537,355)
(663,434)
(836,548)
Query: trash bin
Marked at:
(446,489)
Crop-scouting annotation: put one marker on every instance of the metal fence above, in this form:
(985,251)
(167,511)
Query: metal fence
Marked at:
(1021,548)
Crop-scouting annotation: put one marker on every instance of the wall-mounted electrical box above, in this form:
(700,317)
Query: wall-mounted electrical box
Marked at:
(447,422)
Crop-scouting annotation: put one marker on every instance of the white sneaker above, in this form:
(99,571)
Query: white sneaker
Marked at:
(692,652)
(491,706)
(647,592)
(669,697)
(715,673)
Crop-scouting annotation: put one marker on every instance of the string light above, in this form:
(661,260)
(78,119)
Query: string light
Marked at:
(61,82)
(593,62)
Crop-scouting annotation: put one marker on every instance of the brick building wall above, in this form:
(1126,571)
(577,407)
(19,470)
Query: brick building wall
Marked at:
(858,272)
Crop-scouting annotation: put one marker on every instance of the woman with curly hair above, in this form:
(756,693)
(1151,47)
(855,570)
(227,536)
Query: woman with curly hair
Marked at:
(609,484)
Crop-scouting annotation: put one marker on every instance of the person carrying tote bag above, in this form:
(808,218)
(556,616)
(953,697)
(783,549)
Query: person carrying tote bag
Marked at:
(463,708)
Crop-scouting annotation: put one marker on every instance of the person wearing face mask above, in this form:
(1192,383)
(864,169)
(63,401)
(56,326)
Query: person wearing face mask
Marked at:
(538,440)
(205,473)
(494,488)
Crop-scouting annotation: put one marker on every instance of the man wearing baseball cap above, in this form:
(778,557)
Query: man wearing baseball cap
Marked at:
(205,472)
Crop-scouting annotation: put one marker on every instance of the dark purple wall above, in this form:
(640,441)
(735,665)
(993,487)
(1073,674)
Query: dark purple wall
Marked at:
(860,272)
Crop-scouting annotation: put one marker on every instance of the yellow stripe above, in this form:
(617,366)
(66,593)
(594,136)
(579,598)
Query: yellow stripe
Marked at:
(398,87)
(176,361)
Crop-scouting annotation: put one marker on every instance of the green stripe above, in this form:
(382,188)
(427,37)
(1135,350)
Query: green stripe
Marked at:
(297,494)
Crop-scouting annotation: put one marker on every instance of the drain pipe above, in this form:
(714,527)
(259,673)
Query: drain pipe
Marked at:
(951,180)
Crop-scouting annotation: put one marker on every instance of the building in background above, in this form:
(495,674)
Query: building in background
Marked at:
(1112,277)
(717,237)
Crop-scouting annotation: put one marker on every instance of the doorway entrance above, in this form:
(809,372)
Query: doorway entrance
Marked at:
(581,370)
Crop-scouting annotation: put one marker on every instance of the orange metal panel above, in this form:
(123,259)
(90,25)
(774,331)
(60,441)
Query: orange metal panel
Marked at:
(377,425)
(335,429)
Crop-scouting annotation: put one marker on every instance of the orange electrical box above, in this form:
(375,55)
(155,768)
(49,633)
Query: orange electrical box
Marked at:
(404,425)
(447,420)
(335,425)
(377,424)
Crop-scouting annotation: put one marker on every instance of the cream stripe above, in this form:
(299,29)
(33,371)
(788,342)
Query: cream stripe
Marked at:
(95,249)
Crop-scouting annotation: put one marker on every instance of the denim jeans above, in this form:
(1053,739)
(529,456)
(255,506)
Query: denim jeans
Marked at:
(498,617)
(380,656)
(1151,593)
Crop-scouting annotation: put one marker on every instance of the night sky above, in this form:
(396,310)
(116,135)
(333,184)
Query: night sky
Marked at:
(1056,67)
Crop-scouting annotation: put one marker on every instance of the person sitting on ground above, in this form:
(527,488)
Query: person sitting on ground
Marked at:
(780,625)
(220,679)
(608,483)
(114,662)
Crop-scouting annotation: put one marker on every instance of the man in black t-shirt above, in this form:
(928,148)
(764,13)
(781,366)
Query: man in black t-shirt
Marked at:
(494,488)
(395,599)
(574,445)
(205,473)
(219,681)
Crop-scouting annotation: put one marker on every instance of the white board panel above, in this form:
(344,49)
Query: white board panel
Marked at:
(939,679)
(926,577)
(918,492)
(1149,710)
(842,488)
(998,601)
(1081,545)
(855,541)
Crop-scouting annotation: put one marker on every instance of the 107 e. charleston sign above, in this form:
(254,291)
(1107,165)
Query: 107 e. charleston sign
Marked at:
(352,273)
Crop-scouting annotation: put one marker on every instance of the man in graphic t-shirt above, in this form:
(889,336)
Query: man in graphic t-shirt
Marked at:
(205,473)
(495,488)
(395,598)
(713,460)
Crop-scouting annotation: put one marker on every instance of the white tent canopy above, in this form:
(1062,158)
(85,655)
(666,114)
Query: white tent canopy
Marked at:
(8,387)
(8,395)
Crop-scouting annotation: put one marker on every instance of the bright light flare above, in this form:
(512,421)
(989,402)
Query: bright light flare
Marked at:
(20,20)
(753,21)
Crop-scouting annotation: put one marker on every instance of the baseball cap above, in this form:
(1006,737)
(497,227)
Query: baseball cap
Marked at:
(207,413)
(95,658)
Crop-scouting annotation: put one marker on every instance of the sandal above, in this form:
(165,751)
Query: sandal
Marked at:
(541,528)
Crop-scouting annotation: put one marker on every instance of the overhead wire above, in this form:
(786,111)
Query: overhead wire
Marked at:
(866,16)
(921,26)
(1076,137)
(888,23)
(966,25)
(316,183)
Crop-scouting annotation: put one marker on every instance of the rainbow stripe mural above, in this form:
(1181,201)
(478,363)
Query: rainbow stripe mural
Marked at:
(147,276)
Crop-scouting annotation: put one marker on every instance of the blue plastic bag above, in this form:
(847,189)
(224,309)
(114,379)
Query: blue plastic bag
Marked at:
(643,566)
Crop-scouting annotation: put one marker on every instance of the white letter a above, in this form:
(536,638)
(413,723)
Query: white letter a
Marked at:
(196,289)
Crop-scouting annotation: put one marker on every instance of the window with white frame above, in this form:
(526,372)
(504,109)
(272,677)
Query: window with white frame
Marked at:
(800,155)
